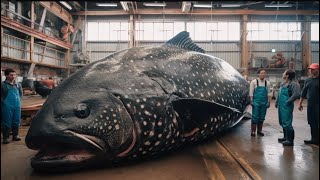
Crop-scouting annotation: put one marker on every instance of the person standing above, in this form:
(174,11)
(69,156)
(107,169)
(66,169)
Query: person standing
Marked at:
(311,92)
(289,92)
(11,94)
(260,101)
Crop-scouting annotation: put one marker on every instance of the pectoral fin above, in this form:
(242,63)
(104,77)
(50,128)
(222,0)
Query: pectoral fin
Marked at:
(194,113)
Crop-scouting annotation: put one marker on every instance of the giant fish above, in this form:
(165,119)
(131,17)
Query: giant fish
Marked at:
(137,104)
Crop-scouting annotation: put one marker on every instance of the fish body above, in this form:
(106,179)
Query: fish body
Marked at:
(136,104)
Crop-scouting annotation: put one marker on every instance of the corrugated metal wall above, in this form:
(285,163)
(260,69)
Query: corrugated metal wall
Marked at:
(315,52)
(15,48)
(229,51)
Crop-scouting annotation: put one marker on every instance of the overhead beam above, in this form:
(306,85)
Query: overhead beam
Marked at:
(197,12)
(57,10)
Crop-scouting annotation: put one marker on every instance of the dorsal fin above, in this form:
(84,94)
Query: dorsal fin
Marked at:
(182,40)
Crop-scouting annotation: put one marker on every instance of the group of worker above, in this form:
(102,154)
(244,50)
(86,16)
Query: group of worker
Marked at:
(289,92)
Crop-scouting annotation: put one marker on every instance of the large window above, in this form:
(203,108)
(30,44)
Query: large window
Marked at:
(315,31)
(157,31)
(214,31)
(108,31)
(259,31)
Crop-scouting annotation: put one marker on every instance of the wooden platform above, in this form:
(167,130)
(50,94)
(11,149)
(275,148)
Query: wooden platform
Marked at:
(29,107)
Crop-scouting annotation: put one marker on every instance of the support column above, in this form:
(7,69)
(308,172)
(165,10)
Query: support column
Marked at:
(67,60)
(32,15)
(33,64)
(131,32)
(244,44)
(306,42)
(1,40)
(42,19)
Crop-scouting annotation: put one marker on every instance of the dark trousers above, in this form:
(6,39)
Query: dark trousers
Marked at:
(313,120)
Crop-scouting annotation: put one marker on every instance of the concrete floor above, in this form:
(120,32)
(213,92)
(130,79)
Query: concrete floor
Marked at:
(260,158)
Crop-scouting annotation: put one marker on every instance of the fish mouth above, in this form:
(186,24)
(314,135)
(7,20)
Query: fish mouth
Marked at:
(73,151)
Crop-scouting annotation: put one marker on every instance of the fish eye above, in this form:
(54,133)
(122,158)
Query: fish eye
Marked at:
(81,110)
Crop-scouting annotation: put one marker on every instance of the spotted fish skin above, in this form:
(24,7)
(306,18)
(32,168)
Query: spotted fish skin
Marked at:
(167,74)
(145,101)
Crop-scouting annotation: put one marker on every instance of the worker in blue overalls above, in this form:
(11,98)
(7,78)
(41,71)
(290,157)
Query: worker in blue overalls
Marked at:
(260,101)
(289,91)
(11,94)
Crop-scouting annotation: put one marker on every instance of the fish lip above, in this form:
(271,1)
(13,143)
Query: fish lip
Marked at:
(73,158)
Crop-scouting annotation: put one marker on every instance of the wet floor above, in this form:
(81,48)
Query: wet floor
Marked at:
(232,155)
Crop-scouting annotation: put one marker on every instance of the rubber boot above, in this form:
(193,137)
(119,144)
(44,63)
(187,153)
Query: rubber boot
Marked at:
(314,137)
(260,133)
(15,132)
(284,136)
(5,134)
(253,129)
(290,138)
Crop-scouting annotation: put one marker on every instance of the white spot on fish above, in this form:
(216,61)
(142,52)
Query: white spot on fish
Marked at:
(109,127)
(145,123)
(117,126)
(147,143)
(147,113)
(151,133)
(157,143)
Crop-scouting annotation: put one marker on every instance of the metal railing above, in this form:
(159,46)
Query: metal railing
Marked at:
(19,49)
(26,21)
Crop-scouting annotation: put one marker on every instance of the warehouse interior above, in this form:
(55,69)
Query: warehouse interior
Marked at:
(48,41)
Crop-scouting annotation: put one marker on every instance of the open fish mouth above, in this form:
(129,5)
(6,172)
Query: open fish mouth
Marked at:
(65,155)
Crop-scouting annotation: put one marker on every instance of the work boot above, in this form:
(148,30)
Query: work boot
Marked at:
(284,136)
(290,138)
(15,132)
(253,129)
(260,133)
(314,137)
(5,134)
(312,141)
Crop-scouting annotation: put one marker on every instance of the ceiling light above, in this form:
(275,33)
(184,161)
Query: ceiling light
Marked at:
(66,5)
(202,5)
(154,4)
(124,5)
(230,5)
(278,5)
(107,4)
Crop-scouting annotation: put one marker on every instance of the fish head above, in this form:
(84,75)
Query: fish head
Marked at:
(78,124)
